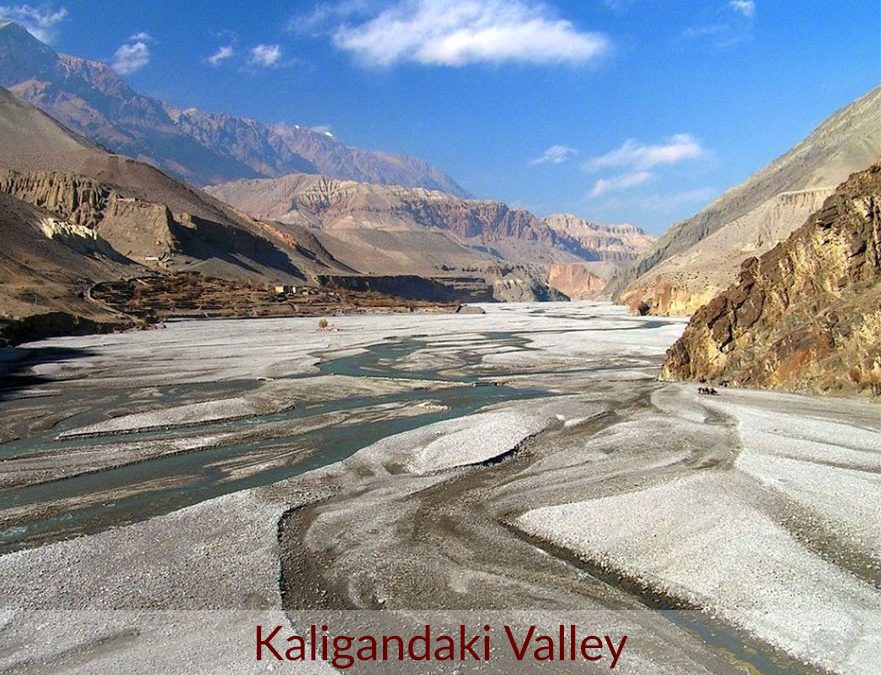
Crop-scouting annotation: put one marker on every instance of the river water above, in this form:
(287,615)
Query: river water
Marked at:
(444,369)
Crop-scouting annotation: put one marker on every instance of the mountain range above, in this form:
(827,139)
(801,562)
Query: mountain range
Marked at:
(699,257)
(374,212)
(73,214)
(198,147)
(392,229)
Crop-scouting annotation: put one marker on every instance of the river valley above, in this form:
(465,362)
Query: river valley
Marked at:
(521,466)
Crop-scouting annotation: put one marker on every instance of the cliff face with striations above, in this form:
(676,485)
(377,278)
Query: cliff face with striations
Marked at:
(702,255)
(76,199)
(617,243)
(806,316)
(141,230)
(576,281)
(450,231)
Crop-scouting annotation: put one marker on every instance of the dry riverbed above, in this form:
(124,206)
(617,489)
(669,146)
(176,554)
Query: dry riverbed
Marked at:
(162,492)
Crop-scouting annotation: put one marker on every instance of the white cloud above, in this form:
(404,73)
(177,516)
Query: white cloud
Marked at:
(221,55)
(556,154)
(745,7)
(639,161)
(41,22)
(461,32)
(639,156)
(623,182)
(724,29)
(661,203)
(324,14)
(265,56)
(619,5)
(133,55)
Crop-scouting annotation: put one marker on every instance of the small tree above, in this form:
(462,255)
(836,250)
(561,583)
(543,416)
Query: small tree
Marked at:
(323,324)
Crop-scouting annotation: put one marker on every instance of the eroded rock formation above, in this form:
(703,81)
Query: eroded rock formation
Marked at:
(465,232)
(575,280)
(806,316)
(701,256)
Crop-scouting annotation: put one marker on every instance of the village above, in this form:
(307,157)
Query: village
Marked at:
(152,299)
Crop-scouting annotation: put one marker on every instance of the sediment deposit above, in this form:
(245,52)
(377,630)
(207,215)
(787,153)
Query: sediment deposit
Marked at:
(524,463)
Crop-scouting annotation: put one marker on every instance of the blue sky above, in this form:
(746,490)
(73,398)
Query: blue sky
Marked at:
(617,110)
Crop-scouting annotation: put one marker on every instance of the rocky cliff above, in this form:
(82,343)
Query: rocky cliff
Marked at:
(426,227)
(805,316)
(576,281)
(680,285)
(616,243)
(199,147)
(701,255)
(47,267)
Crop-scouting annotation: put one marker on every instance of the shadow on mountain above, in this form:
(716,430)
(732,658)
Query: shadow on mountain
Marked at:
(231,244)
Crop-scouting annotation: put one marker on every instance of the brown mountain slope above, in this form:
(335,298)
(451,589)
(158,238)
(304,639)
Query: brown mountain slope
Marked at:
(390,226)
(201,148)
(807,314)
(575,280)
(48,264)
(616,243)
(701,256)
(140,211)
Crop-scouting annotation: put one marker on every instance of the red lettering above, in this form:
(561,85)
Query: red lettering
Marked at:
(519,654)
(266,642)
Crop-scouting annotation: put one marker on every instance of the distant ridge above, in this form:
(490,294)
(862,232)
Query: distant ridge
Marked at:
(414,229)
(201,148)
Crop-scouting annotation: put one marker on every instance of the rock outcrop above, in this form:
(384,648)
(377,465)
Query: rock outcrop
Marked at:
(575,280)
(525,288)
(702,255)
(76,199)
(805,316)
(616,243)
(426,228)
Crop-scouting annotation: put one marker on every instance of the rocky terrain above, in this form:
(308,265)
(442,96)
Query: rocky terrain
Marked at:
(73,215)
(168,491)
(617,243)
(805,316)
(385,229)
(201,148)
(700,257)
(576,280)
(46,268)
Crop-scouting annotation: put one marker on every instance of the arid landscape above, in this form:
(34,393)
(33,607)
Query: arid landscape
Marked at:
(443,463)
(276,392)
